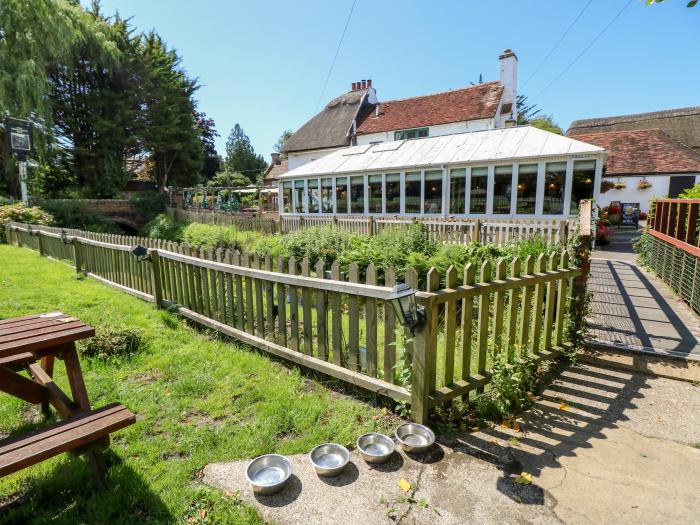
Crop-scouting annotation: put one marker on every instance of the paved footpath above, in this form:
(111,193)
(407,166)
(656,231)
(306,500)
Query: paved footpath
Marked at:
(602,446)
(632,309)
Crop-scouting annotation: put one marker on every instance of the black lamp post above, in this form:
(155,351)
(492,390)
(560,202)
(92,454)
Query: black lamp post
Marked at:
(403,299)
(64,237)
(140,252)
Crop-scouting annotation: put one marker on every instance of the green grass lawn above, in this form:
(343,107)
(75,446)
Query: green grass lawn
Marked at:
(199,399)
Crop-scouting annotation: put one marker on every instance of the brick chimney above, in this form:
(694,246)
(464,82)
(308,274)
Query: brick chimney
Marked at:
(275,158)
(354,86)
(509,78)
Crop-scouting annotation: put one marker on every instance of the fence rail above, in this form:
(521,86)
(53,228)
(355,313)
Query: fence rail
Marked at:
(674,250)
(339,324)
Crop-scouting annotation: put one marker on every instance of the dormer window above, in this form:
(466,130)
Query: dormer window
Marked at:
(408,134)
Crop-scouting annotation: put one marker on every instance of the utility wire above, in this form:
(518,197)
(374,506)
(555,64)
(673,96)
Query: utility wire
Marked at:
(571,64)
(554,48)
(340,42)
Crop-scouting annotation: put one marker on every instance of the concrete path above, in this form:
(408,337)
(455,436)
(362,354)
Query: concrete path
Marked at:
(602,446)
(631,309)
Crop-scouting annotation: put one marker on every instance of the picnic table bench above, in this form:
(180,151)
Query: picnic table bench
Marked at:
(33,343)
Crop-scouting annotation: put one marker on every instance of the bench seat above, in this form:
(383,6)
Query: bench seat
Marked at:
(24,451)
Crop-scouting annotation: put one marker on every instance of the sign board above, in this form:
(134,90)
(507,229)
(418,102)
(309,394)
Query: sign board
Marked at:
(629,215)
(19,137)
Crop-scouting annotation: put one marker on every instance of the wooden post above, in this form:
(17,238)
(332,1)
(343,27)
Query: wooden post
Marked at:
(583,251)
(40,242)
(370,225)
(477,230)
(154,263)
(423,358)
(78,255)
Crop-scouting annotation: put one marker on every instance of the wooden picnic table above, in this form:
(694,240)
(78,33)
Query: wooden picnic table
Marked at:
(33,343)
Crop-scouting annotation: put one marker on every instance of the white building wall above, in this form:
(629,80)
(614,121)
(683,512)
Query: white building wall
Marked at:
(433,131)
(303,157)
(632,193)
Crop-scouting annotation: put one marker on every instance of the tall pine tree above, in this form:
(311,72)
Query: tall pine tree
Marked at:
(241,157)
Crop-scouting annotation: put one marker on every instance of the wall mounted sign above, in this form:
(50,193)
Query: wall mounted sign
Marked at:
(630,214)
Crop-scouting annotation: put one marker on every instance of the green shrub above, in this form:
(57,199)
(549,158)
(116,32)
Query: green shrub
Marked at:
(150,203)
(18,212)
(512,388)
(326,243)
(110,343)
(163,227)
(76,214)
(267,245)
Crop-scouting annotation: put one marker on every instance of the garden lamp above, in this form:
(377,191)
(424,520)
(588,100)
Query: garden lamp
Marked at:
(140,252)
(64,237)
(403,299)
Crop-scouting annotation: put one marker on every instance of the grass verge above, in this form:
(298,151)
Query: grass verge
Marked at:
(199,400)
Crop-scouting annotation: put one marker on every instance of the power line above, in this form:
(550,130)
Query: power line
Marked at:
(340,42)
(554,48)
(584,50)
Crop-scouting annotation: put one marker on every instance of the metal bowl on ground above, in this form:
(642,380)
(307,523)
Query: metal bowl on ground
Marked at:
(375,447)
(329,459)
(414,437)
(269,473)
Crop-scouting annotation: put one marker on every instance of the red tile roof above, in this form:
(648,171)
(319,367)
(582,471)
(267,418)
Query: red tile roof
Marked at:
(644,151)
(472,103)
(275,170)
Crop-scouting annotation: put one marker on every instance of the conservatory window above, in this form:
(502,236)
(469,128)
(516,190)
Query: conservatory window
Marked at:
(299,196)
(327,195)
(582,183)
(458,190)
(341,195)
(433,192)
(502,187)
(287,197)
(393,193)
(554,186)
(527,189)
(478,190)
(314,196)
(357,195)
(412,192)
(374,188)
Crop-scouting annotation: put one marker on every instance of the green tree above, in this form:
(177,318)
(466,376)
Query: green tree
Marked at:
(284,137)
(240,155)
(169,128)
(546,123)
(227,178)
(531,115)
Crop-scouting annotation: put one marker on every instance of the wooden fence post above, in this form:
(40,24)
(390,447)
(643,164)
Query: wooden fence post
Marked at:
(40,242)
(78,255)
(477,230)
(582,255)
(154,263)
(370,225)
(423,359)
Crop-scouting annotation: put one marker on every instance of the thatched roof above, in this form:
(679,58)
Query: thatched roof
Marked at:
(331,127)
(682,124)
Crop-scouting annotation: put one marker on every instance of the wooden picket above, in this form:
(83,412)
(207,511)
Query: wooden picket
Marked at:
(300,312)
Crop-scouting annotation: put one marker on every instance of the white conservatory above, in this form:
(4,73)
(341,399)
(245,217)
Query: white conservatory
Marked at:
(519,172)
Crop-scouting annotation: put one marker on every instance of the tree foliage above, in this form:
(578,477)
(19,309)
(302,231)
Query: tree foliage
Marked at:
(531,115)
(241,156)
(98,95)
(284,137)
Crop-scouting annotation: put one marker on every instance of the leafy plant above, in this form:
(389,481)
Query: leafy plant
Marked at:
(149,204)
(163,227)
(69,213)
(111,343)
(18,212)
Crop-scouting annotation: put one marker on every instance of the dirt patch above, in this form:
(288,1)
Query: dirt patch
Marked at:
(147,378)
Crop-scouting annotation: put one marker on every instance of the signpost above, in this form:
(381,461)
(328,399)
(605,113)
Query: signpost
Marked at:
(20,142)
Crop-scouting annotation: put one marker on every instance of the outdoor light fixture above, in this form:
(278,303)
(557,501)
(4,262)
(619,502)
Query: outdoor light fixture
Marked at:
(403,299)
(64,237)
(140,252)
(30,232)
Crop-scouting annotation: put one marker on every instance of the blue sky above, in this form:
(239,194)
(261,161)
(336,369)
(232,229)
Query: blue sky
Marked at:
(263,63)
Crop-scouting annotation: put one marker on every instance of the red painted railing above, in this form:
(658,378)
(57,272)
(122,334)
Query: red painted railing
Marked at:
(676,222)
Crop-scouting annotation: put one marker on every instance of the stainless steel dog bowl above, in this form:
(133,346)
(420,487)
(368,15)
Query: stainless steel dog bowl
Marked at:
(329,459)
(268,474)
(414,437)
(375,447)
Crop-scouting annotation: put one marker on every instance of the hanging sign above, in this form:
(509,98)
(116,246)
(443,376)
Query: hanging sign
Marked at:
(19,137)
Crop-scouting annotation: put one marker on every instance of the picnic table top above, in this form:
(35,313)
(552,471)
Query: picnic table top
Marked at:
(40,332)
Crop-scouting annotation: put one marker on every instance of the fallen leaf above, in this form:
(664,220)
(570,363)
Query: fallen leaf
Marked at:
(404,485)
(375,418)
(494,441)
(564,406)
(514,441)
(202,513)
(505,423)
(475,429)
(516,427)
(525,478)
